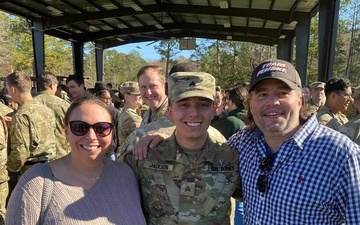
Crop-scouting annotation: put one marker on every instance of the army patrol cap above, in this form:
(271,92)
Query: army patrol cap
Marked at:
(276,69)
(183,85)
(129,87)
(317,84)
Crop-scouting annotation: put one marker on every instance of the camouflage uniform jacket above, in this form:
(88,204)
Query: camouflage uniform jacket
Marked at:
(31,135)
(352,129)
(115,114)
(59,107)
(126,123)
(164,126)
(324,116)
(4,190)
(3,151)
(5,110)
(150,116)
(178,191)
(313,106)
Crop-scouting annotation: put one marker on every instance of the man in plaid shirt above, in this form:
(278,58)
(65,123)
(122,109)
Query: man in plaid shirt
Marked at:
(294,170)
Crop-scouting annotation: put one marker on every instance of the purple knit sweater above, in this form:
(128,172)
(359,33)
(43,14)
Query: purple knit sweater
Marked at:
(113,199)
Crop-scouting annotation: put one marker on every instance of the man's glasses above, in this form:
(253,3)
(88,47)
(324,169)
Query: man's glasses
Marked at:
(80,128)
(345,95)
(262,180)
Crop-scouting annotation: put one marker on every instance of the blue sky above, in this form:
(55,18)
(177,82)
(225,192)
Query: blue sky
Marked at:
(147,51)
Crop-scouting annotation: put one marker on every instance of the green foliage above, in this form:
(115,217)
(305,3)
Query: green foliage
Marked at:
(119,67)
(58,56)
(231,63)
(167,49)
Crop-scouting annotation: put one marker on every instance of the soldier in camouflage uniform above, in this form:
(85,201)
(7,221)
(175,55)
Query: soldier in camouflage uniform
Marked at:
(4,189)
(317,96)
(152,89)
(352,128)
(189,178)
(129,119)
(5,110)
(161,123)
(48,85)
(338,98)
(32,138)
(76,86)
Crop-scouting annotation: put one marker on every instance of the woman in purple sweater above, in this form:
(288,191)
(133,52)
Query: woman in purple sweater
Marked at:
(87,187)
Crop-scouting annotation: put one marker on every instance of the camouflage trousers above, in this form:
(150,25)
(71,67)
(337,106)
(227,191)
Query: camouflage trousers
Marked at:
(4,191)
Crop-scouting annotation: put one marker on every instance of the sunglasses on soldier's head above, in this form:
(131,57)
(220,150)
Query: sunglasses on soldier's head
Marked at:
(80,128)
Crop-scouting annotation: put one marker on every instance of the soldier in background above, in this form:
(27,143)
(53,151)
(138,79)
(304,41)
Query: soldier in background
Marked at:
(9,102)
(6,110)
(61,92)
(338,98)
(102,92)
(32,138)
(235,119)
(352,128)
(48,83)
(317,96)
(129,119)
(76,86)
(4,188)
(152,89)
(174,175)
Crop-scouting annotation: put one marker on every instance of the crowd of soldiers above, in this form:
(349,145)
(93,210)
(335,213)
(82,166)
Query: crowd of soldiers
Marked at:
(32,127)
(336,105)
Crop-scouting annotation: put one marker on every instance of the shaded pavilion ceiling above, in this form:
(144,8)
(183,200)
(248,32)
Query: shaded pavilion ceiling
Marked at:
(118,22)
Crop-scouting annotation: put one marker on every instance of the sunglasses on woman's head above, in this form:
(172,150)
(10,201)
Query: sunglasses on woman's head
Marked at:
(80,128)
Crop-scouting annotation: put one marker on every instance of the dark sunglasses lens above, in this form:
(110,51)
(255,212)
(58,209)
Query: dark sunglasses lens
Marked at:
(261,184)
(102,129)
(79,128)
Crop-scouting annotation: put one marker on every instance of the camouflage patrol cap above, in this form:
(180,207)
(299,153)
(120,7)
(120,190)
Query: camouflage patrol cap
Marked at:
(190,84)
(129,87)
(317,84)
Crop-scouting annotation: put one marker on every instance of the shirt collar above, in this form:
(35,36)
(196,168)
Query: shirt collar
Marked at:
(300,136)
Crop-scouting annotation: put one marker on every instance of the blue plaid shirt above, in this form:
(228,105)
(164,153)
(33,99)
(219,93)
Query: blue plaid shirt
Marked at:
(315,178)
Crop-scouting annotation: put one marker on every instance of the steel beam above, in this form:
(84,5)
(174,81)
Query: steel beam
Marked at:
(328,22)
(38,48)
(78,57)
(285,49)
(302,45)
(99,57)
